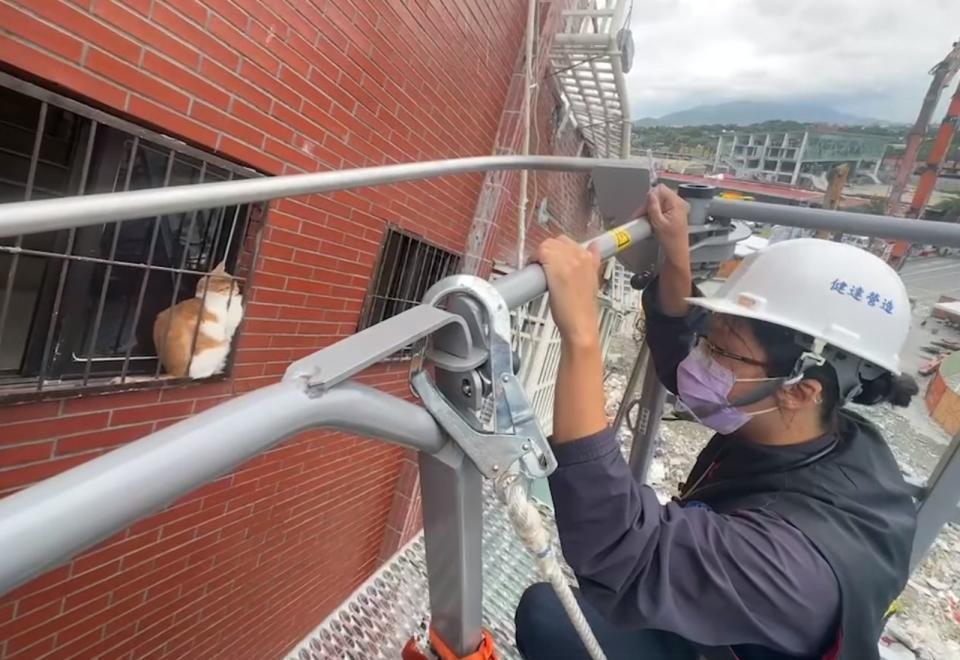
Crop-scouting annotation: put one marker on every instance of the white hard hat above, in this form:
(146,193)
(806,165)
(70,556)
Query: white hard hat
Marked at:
(837,294)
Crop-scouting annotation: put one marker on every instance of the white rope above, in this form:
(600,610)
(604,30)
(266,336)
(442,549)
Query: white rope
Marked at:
(531,530)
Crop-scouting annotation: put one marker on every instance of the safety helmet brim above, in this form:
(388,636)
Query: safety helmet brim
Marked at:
(731,308)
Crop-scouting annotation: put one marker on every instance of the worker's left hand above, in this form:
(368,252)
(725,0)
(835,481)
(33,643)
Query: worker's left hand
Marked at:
(573,280)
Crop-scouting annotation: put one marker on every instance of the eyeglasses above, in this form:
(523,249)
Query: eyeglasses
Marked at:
(716,350)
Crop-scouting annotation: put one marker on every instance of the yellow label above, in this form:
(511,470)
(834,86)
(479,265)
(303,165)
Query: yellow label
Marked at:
(622,237)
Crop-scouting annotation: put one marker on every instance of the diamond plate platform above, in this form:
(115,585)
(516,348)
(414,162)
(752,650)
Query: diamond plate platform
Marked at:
(379,618)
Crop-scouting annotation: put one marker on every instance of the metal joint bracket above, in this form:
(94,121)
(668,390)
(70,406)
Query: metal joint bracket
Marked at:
(351,355)
(516,434)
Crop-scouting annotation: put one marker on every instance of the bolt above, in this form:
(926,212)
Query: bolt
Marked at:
(505,378)
(495,468)
(466,388)
(526,446)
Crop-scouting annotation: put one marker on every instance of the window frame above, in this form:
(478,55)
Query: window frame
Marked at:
(368,315)
(45,371)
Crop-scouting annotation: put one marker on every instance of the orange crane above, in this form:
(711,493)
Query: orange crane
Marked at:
(943,73)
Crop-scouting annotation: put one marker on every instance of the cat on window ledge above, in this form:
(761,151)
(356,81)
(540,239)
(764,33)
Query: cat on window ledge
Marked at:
(219,313)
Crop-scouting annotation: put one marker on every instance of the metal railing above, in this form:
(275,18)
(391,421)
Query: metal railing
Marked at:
(51,521)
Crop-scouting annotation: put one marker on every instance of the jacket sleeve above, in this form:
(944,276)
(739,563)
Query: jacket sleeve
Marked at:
(715,580)
(669,337)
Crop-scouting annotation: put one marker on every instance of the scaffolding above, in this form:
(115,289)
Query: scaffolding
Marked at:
(466,342)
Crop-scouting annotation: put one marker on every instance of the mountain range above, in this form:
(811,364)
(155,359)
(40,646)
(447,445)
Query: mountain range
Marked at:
(743,113)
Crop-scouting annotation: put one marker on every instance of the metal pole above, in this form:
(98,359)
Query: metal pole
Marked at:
(938,505)
(46,524)
(66,212)
(631,387)
(862,224)
(451,490)
(649,412)
(522,286)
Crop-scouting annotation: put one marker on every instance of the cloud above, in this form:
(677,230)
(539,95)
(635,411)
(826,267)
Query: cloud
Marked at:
(870,57)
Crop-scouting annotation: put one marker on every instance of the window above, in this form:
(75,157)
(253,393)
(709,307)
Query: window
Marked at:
(408,266)
(77,306)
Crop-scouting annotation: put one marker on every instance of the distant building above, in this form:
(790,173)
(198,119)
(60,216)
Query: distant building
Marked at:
(784,157)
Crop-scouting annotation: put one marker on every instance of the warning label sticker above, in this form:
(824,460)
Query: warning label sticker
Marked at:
(622,237)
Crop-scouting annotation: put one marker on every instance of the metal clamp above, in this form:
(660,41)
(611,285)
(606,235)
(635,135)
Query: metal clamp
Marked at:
(516,434)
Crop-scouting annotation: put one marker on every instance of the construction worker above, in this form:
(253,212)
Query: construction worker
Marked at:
(793,531)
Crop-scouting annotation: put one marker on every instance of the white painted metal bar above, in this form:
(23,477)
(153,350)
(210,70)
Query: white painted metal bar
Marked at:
(66,212)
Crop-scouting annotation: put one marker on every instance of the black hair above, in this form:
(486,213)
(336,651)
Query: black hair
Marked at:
(784,347)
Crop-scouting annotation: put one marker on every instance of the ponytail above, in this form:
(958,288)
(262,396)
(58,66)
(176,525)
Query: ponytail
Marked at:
(895,390)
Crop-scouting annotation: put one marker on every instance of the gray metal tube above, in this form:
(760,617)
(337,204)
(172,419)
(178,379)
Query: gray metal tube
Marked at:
(649,413)
(862,224)
(522,286)
(46,524)
(66,212)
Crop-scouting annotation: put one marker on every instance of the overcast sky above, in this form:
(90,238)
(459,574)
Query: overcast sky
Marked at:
(867,57)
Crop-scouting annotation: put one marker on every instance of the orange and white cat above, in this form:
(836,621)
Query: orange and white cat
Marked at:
(219,314)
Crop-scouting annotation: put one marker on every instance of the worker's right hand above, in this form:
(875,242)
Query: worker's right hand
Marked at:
(667,214)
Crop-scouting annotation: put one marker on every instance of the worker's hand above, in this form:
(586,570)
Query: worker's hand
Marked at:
(573,280)
(668,213)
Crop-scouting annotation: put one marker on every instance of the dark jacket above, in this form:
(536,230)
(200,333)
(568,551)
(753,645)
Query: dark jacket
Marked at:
(778,552)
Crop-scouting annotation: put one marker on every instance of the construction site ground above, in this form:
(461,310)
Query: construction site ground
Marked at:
(927,624)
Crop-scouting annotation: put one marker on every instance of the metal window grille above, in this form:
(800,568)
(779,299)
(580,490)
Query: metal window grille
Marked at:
(77,307)
(407,267)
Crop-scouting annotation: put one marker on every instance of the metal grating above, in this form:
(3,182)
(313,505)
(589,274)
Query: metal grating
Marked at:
(379,618)
(408,266)
(77,307)
(587,59)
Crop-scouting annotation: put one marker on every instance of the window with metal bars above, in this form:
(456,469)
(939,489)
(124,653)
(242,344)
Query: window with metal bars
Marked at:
(77,306)
(407,267)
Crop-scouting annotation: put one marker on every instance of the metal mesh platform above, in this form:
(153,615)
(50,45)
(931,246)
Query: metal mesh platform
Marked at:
(379,618)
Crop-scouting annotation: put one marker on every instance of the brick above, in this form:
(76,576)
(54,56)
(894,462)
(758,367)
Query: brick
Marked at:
(228,9)
(55,625)
(101,439)
(233,83)
(28,58)
(279,91)
(69,645)
(83,25)
(154,412)
(36,650)
(21,454)
(110,401)
(171,122)
(277,48)
(198,87)
(228,34)
(30,620)
(200,38)
(24,411)
(39,430)
(259,118)
(102,555)
(132,23)
(135,79)
(290,155)
(193,9)
(253,156)
(22,476)
(20,23)
(196,391)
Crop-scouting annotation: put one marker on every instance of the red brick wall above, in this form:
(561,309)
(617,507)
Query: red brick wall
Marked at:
(247,565)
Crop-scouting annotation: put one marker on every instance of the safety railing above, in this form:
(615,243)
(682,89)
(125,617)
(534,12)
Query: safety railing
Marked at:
(51,521)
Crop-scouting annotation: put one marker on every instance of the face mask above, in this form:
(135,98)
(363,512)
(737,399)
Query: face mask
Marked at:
(703,387)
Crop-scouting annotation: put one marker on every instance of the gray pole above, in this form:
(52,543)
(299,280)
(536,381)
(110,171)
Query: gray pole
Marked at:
(46,524)
(66,212)
(648,415)
(862,224)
